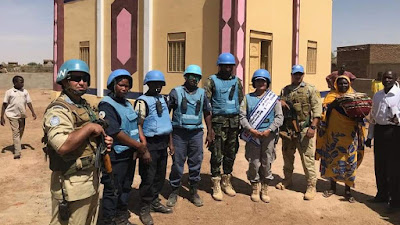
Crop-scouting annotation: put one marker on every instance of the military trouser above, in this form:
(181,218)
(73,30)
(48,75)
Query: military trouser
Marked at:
(82,212)
(223,149)
(307,154)
(260,159)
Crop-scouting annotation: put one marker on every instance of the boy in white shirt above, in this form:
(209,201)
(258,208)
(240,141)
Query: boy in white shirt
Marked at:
(14,107)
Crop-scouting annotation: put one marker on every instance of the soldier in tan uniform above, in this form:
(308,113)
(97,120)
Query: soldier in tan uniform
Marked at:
(70,138)
(298,131)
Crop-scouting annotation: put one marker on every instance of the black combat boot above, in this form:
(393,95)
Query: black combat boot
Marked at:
(122,218)
(194,196)
(173,197)
(145,216)
(156,206)
(108,221)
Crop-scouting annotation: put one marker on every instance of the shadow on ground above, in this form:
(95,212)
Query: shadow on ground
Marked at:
(243,187)
(300,185)
(10,148)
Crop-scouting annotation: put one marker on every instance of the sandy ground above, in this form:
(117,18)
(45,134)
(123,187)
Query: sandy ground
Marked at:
(25,196)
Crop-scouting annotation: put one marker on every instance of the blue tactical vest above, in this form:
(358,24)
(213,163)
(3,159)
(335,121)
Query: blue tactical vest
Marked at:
(154,124)
(252,101)
(223,101)
(129,122)
(189,116)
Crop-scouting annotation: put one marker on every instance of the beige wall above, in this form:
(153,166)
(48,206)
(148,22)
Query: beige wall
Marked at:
(80,25)
(316,25)
(273,17)
(200,20)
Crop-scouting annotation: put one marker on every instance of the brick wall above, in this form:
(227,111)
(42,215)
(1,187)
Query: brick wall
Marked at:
(356,59)
(382,54)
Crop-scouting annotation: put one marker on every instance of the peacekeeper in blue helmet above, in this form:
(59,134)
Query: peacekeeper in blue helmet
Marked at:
(225,92)
(122,122)
(260,116)
(156,124)
(302,101)
(70,141)
(189,104)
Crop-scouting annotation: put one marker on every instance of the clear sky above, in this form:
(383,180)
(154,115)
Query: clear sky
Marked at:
(26,30)
(26,26)
(365,22)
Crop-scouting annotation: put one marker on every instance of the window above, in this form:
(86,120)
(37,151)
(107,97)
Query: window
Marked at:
(176,52)
(84,53)
(312,57)
(265,57)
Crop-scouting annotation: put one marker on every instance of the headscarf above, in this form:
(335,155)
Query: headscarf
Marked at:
(332,95)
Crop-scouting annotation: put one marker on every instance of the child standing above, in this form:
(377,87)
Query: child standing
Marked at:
(260,116)
(156,124)
(14,107)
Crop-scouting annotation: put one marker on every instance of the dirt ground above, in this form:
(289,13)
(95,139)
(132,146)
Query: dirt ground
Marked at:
(25,196)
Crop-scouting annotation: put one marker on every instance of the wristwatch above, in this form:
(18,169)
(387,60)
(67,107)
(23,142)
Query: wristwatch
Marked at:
(313,127)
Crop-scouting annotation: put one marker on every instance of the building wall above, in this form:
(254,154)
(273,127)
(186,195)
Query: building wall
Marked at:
(80,25)
(199,19)
(356,58)
(274,17)
(381,53)
(316,25)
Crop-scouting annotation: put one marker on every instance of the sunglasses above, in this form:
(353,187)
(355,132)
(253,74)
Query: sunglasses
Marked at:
(195,77)
(78,78)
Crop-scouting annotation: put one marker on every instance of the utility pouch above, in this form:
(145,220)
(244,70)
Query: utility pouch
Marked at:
(232,92)
(198,104)
(63,210)
(159,107)
(184,105)
(63,206)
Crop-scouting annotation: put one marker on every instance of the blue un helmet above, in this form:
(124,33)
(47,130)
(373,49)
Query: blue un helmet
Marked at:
(261,74)
(226,59)
(118,73)
(297,69)
(70,66)
(194,69)
(154,75)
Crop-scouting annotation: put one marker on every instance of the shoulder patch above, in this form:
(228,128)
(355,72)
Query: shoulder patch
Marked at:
(102,114)
(54,121)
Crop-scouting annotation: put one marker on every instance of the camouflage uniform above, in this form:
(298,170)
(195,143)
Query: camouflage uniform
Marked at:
(306,102)
(73,172)
(226,128)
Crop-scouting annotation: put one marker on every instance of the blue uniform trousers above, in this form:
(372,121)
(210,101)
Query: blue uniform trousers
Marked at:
(188,145)
(123,171)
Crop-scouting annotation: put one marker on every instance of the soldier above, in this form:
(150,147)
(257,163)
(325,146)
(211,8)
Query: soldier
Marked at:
(156,124)
(189,103)
(123,127)
(225,92)
(299,130)
(70,139)
(260,116)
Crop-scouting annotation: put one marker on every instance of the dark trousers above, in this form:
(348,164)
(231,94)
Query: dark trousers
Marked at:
(387,166)
(123,177)
(153,176)
(188,144)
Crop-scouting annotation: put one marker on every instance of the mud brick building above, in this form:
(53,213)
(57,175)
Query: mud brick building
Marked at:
(365,61)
